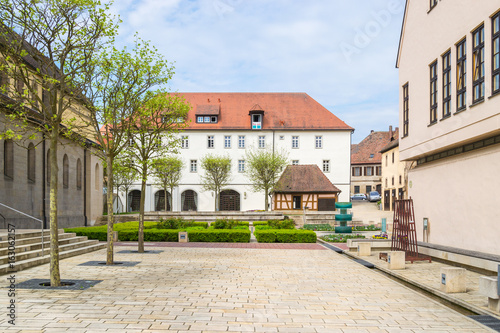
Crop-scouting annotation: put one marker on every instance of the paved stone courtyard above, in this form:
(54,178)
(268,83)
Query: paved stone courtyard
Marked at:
(228,290)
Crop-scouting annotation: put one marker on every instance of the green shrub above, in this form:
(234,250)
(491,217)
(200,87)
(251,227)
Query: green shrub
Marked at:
(285,236)
(295,236)
(179,223)
(219,235)
(262,227)
(281,224)
(150,235)
(228,224)
(100,234)
(265,236)
(318,227)
(256,223)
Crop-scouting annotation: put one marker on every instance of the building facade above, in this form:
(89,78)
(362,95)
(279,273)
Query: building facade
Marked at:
(394,176)
(449,72)
(230,124)
(366,162)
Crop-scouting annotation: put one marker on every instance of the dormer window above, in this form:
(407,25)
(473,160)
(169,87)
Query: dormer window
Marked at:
(256,117)
(205,119)
(207,114)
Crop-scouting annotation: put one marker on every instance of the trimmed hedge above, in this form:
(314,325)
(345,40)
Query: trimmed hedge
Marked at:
(91,232)
(228,224)
(281,224)
(179,223)
(219,235)
(150,235)
(285,236)
(256,223)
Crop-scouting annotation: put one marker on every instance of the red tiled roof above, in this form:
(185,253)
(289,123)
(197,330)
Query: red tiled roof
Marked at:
(281,111)
(372,145)
(207,109)
(304,179)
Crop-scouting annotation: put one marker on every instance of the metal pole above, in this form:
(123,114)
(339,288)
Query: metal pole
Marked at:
(31,217)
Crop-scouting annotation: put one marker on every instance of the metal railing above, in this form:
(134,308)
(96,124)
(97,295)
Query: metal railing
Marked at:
(31,217)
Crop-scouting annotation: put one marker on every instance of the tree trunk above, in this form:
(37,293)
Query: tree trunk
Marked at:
(266,200)
(109,250)
(140,248)
(55,276)
(166,198)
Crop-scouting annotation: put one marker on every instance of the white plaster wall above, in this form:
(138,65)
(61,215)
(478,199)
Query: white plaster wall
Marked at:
(460,197)
(427,36)
(336,148)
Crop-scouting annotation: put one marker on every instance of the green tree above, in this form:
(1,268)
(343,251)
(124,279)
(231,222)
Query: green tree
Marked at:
(47,51)
(263,169)
(168,171)
(152,134)
(217,174)
(121,83)
(124,176)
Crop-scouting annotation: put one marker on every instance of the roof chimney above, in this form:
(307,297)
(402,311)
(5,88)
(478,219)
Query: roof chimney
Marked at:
(372,131)
(390,131)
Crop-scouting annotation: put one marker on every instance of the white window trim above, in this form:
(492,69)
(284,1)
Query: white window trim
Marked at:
(227,141)
(241,139)
(241,166)
(298,142)
(327,163)
(293,162)
(185,142)
(195,164)
(208,141)
(320,142)
(263,141)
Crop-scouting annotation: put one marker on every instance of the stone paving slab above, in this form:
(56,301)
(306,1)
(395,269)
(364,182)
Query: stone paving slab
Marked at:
(228,290)
(282,246)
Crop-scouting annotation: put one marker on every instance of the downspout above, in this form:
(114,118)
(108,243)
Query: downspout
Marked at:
(85,186)
(273,142)
(44,185)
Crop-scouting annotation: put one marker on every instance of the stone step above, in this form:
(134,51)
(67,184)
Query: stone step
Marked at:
(20,234)
(35,249)
(64,253)
(19,243)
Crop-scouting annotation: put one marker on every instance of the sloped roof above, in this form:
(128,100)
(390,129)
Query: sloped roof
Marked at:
(393,144)
(304,179)
(282,111)
(372,145)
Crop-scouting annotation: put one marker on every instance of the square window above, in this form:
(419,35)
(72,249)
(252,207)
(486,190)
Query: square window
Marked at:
(206,119)
(199,119)
(213,119)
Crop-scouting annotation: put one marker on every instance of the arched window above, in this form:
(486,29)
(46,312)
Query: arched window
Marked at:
(78,174)
(97,176)
(8,158)
(31,162)
(48,167)
(65,171)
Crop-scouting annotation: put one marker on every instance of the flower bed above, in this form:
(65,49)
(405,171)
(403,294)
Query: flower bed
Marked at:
(318,227)
(340,238)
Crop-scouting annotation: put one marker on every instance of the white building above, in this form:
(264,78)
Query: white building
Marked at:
(230,123)
(449,73)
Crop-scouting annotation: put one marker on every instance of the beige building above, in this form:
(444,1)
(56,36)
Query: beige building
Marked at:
(449,70)
(394,175)
(366,162)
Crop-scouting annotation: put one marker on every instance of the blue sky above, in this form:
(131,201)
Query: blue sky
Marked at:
(341,53)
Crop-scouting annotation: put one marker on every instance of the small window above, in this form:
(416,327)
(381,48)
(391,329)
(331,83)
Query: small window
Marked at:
(97,176)
(392,181)
(8,158)
(318,142)
(478,65)
(326,165)
(78,174)
(206,119)
(210,141)
(378,171)
(369,171)
(184,142)
(199,119)
(297,201)
(357,171)
(193,166)
(282,137)
(393,158)
(227,141)
(241,165)
(256,121)
(400,180)
(433,92)
(295,142)
(65,171)
(241,141)
(372,155)
(213,119)
(461,75)
(356,189)
(31,162)
(295,162)
(262,141)
(446,84)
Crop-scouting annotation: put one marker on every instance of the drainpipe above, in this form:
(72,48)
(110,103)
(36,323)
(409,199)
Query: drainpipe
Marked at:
(44,185)
(85,186)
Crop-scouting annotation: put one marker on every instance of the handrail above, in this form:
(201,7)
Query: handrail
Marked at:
(31,217)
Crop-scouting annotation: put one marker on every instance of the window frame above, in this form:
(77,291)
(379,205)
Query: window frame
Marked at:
(495,39)
(446,76)
(241,166)
(241,141)
(210,141)
(295,162)
(227,141)
(461,88)
(326,165)
(369,171)
(295,142)
(478,65)
(354,173)
(318,142)
(433,93)
(184,141)
(406,109)
(262,141)
(193,166)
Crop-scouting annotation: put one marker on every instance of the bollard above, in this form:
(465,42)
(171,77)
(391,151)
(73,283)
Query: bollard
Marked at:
(183,237)
(364,249)
(396,260)
(453,280)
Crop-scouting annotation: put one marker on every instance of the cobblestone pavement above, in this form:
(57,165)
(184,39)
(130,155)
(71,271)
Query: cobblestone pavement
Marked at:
(227,290)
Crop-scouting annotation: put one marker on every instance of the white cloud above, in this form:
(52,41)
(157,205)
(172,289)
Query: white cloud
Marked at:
(280,45)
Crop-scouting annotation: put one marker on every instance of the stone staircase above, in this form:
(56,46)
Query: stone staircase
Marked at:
(28,248)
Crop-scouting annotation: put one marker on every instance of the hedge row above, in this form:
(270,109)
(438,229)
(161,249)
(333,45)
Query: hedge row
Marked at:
(256,223)
(150,235)
(220,235)
(285,236)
